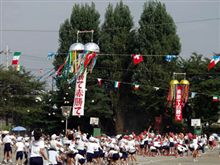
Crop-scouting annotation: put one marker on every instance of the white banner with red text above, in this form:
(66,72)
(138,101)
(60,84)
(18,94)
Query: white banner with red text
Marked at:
(79,98)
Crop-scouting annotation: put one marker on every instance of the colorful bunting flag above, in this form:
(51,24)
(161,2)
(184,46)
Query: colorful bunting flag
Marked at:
(137,58)
(215,59)
(215,98)
(136,86)
(99,82)
(50,55)
(16,57)
(156,88)
(193,94)
(117,84)
(170,58)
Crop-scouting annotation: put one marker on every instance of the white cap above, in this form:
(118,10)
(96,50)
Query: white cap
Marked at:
(5,132)
(53,137)
(26,138)
(78,136)
(19,138)
(92,139)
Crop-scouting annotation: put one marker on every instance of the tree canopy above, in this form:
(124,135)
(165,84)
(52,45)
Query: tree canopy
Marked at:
(155,38)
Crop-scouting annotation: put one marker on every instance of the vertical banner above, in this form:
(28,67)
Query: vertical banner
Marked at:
(79,98)
(178,105)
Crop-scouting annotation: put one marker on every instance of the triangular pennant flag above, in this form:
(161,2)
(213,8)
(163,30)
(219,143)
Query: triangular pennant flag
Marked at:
(193,94)
(215,98)
(117,84)
(99,82)
(137,58)
(156,88)
(136,86)
(50,55)
(215,59)
(16,57)
(170,58)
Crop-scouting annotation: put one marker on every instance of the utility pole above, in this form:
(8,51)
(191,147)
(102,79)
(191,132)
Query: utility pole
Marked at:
(7,54)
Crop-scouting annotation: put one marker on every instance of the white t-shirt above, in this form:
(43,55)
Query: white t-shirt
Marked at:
(55,144)
(52,156)
(20,146)
(7,139)
(131,145)
(80,145)
(90,147)
(35,148)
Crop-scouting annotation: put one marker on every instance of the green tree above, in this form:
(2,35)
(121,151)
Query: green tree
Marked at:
(20,97)
(205,84)
(84,17)
(115,38)
(157,32)
(156,38)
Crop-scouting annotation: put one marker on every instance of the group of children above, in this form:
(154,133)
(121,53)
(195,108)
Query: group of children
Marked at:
(122,149)
(12,144)
(76,148)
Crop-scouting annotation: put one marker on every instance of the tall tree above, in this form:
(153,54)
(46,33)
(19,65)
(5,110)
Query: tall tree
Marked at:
(157,32)
(83,17)
(157,38)
(115,38)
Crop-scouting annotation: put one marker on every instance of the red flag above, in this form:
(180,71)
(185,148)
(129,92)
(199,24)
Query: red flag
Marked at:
(99,81)
(137,58)
(88,58)
(215,59)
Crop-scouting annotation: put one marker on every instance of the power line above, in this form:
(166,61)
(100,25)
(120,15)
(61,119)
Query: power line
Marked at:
(150,25)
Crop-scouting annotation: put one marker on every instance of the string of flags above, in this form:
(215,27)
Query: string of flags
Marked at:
(136,86)
(117,84)
(215,98)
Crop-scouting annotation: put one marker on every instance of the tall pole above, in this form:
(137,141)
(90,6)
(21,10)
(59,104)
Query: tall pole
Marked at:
(7,53)
(66,125)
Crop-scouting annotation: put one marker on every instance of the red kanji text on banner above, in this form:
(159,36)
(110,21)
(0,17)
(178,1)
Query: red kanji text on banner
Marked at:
(79,98)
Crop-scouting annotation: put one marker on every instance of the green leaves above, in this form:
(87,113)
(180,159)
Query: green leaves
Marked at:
(17,95)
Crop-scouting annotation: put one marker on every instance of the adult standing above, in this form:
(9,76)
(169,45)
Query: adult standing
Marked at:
(37,149)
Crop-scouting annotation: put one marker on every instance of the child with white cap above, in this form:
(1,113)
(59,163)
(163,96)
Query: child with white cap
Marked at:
(90,148)
(20,148)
